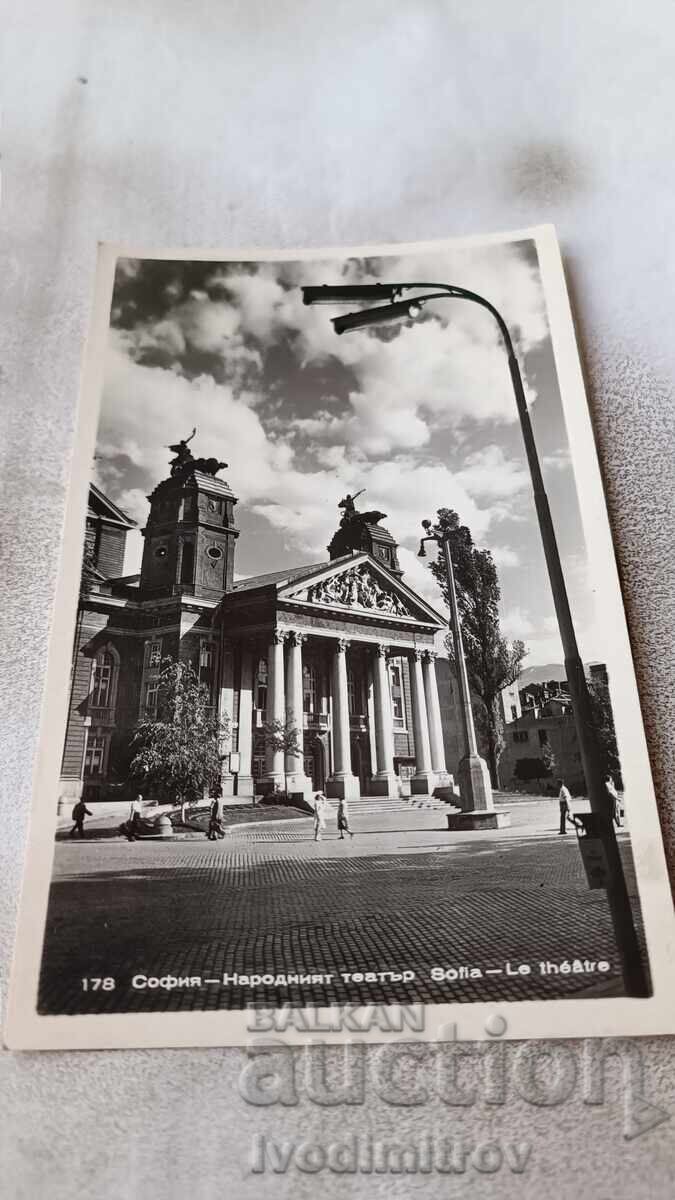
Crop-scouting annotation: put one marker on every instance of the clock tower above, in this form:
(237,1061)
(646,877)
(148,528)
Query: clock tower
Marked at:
(190,535)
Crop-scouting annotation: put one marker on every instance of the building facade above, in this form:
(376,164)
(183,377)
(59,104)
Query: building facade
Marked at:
(343,650)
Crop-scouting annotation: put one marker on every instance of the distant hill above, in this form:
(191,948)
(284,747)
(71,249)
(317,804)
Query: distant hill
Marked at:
(542,674)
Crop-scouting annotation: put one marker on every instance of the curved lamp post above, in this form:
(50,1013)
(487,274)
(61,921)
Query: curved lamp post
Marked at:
(601,824)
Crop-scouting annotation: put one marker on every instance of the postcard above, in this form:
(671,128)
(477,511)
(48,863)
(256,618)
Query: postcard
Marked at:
(341,734)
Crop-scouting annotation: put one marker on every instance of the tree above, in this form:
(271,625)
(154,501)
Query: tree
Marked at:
(492,662)
(285,736)
(530,768)
(604,725)
(178,750)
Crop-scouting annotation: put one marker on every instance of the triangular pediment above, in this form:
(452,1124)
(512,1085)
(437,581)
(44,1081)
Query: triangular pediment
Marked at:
(102,506)
(361,587)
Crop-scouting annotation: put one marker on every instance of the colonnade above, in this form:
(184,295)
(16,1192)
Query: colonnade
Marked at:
(285,707)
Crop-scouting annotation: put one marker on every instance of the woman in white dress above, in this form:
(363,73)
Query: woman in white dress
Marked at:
(319,815)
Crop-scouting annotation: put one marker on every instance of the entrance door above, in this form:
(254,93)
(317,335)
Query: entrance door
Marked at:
(315,765)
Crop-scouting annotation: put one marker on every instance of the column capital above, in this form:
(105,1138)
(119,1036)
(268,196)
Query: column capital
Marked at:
(417,654)
(295,638)
(382,649)
(342,645)
(429,656)
(279,637)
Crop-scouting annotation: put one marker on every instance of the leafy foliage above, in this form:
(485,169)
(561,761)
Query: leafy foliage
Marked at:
(604,726)
(492,662)
(178,749)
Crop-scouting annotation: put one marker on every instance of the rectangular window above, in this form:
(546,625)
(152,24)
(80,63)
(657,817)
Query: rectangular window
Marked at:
(207,662)
(352,693)
(543,737)
(151,695)
(94,758)
(521,735)
(258,766)
(260,686)
(514,712)
(309,689)
(102,682)
(154,656)
(396,687)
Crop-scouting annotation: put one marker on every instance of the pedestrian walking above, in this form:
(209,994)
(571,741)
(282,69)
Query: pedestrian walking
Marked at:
(134,822)
(564,798)
(343,820)
(615,801)
(319,815)
(80,811)
(215,824)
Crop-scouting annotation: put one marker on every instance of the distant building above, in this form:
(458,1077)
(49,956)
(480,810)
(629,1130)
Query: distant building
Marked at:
(540,747)
(544,738)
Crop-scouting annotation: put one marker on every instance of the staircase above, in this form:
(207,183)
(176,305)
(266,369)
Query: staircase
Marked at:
(365,805)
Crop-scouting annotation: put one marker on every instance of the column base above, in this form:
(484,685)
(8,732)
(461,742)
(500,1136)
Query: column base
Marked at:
(343,787)
(387,784)
(423,783)
(298,782)
(245,790)
(475,789)
(483,818)
(227,784)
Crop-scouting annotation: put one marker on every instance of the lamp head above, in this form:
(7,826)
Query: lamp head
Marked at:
(401,310)
(350,293)
(426,525)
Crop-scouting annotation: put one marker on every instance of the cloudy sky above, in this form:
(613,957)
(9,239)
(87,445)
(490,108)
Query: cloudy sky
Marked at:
(421,415)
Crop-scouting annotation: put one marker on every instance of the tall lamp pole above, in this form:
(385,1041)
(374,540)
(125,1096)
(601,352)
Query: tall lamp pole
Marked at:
(398,308)
(475,788)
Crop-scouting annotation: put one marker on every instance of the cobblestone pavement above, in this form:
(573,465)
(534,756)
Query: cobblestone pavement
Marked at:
(404,894)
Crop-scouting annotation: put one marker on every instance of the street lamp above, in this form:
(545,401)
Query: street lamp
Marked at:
(634,975)
(475,789)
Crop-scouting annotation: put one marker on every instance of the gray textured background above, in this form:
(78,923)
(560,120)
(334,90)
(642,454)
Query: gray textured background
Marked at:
(314,123)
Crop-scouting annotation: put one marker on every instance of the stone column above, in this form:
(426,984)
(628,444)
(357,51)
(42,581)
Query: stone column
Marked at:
(295,765)
(226,714)
(276,706)
(385,782)
(342,782)
(438,764)
(423,781)
(245,726)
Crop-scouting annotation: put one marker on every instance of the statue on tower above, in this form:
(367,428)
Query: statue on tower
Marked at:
(185,464)
(362,531)
(350,514)
(183,455)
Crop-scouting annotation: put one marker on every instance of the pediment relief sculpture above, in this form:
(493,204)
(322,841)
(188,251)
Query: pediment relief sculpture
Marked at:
(357,588)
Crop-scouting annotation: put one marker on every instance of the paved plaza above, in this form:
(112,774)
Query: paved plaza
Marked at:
(404,894)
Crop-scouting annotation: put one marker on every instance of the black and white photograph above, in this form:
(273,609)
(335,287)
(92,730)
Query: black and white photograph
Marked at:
(348,714)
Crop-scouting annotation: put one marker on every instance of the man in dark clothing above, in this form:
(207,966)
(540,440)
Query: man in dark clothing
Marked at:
(215,824)
(80,811)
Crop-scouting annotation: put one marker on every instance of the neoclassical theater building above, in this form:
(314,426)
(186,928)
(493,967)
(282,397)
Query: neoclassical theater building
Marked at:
(343,649)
